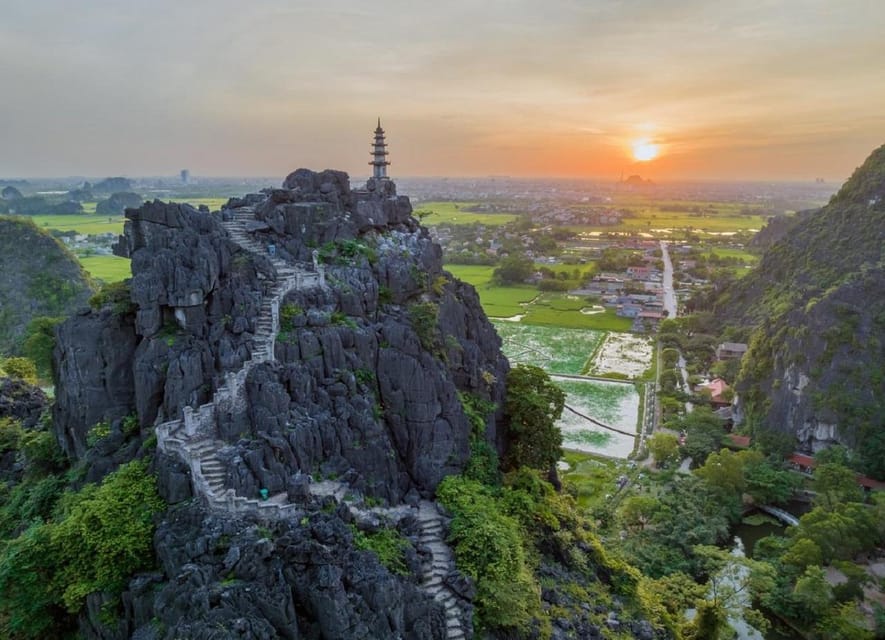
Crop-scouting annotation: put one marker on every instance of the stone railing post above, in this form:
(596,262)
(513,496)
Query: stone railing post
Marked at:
(189,422)
(321,269)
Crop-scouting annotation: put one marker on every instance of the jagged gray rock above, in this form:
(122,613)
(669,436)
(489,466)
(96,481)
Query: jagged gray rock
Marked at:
(305,333)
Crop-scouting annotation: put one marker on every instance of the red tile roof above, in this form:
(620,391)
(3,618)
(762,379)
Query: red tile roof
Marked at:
(802,460)
(739,441)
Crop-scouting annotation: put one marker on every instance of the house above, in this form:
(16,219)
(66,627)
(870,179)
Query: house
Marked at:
(731,351)
(801,462)
(640,273)
(718,388)
(629,310)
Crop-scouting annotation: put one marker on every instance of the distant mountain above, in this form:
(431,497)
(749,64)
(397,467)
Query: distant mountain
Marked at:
(117,203)
(112,185)
(815,309)
(40,278)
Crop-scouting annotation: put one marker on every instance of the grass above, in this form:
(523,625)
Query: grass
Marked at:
(593,477)
(563,310)
(453,213)
(90,224)
(107,268)
(726,252)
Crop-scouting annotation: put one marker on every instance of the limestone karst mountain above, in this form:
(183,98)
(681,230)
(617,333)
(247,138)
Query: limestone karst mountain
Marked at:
(303,344)
(40,278)
(814,309)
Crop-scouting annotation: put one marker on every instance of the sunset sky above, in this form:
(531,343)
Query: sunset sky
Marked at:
(743,89)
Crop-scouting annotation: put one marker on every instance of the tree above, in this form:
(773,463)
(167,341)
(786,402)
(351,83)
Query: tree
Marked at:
(704,433)
(39,343)
(803,553)
(532,407)
(835,484)
(637,511)
(813,593)
(769,484)
(725,470)
(734,582)
(513,270)
(664,447)
(840,533)
(844,622)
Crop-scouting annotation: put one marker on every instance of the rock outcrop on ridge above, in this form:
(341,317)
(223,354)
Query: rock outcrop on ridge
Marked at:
(360,390)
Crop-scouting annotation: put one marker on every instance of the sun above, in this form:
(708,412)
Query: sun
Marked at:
(644,150)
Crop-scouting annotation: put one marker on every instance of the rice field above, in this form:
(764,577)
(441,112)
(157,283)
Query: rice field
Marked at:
(434,213)
(613,403)
(107,268)
(554,349)
(624,354)
(89,224)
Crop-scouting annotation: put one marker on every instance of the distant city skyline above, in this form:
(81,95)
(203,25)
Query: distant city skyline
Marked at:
(750,90)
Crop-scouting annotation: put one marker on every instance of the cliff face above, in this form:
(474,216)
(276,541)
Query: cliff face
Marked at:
(815,364)
(40,278)
(303,343)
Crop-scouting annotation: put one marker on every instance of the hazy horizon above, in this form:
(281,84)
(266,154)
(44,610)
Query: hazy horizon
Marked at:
(753,91)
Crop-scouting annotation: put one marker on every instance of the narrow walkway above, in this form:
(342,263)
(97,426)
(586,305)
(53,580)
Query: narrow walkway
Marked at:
(194,439)
(441,564)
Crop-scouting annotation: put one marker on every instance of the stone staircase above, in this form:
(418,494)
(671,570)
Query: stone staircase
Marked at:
(441,564)
(193,439)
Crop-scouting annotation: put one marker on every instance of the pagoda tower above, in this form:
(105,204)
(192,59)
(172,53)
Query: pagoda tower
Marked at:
(379,154)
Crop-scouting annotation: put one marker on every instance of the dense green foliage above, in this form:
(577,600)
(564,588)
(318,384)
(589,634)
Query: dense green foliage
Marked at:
(40,278)
(77,543)
(533,405)
(39,343)
(388,544)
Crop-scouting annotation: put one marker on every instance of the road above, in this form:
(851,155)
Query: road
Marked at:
(669,291)
(670,308)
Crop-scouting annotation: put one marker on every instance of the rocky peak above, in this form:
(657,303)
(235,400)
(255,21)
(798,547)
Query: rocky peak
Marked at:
(353,374)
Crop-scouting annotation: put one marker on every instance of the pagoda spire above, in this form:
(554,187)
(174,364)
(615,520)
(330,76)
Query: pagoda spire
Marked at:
(379,154)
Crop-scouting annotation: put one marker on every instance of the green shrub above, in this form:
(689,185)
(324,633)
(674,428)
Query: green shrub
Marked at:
(99,537)
(10,433)
(21,368)
(39,343)
(288,313)
(388,544)
(424,317)
(489,548)
(106,534)
(41,451)
(117,295)
(97,432)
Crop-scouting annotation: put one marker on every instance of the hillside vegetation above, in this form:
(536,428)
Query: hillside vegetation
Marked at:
(814,315)
(40,278)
